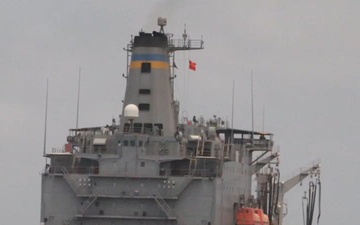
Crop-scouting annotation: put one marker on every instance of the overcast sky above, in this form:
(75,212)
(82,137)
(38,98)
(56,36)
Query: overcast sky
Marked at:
(304,56)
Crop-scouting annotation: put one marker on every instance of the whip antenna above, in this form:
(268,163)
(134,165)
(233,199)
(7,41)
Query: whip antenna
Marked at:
(78,102)
(46,108)
(232,112)
(252,106)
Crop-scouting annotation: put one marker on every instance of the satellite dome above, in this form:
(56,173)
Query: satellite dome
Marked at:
(131,111)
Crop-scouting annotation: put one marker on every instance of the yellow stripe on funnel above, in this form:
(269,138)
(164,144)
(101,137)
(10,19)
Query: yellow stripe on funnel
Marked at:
(154,64)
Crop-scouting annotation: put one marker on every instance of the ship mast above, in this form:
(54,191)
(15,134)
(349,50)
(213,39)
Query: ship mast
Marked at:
(184,44)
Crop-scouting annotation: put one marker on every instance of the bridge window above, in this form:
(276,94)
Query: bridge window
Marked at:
(132,143)
(99,145)
(146,67)
(158,128)
(148,127)
(126,127)
(137,127)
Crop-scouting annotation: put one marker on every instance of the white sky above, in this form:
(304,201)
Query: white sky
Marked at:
(304,56)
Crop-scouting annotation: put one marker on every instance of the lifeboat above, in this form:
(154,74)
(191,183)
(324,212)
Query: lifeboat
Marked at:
(264,219)
(247,216)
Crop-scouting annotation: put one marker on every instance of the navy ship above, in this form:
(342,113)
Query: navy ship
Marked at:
(155,167)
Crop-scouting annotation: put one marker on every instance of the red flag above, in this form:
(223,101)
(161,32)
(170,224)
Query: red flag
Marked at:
(192,65)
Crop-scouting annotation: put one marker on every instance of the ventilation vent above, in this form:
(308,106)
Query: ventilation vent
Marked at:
(144,107)
(144,91)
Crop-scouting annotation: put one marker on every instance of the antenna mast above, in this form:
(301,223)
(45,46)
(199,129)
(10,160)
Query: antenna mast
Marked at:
(184,35)
(46,108)
(78,102)
(252,106)
(263,118)
(232,113)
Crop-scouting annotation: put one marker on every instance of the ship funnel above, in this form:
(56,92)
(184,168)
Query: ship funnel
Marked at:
(131,111)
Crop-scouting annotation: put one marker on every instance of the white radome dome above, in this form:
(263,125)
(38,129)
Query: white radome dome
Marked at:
(131,111)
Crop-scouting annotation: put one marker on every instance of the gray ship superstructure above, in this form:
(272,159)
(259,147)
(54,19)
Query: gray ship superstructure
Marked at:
(153,168)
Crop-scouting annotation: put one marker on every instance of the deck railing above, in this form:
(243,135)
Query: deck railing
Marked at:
(75,170)
(162,173)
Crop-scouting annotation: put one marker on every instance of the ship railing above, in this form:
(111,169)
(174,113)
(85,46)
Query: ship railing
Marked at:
(163,172)
(204,173)
(181,44)
(315,164)
(260,144)
(192,172)
(146,131)
(58,150)
(168,191)
(73,170)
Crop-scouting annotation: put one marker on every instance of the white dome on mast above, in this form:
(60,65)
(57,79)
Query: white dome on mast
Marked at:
(131,111)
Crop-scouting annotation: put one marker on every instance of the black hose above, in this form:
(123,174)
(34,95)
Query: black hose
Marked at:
(319,183)
(311,200)
(270,199)
(273,196)
(303,210)
(277,198)
(264,203)
(313,203)
(308,204)
(308,207)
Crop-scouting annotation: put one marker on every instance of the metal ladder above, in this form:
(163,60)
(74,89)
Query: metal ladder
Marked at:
(192,165)
(184,184)
(168,210)
(180,219)
(163,205)
(87,204)
(68,179)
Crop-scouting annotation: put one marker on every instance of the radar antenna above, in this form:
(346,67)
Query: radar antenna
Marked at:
(184,34)
(162,24)
(46,112)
